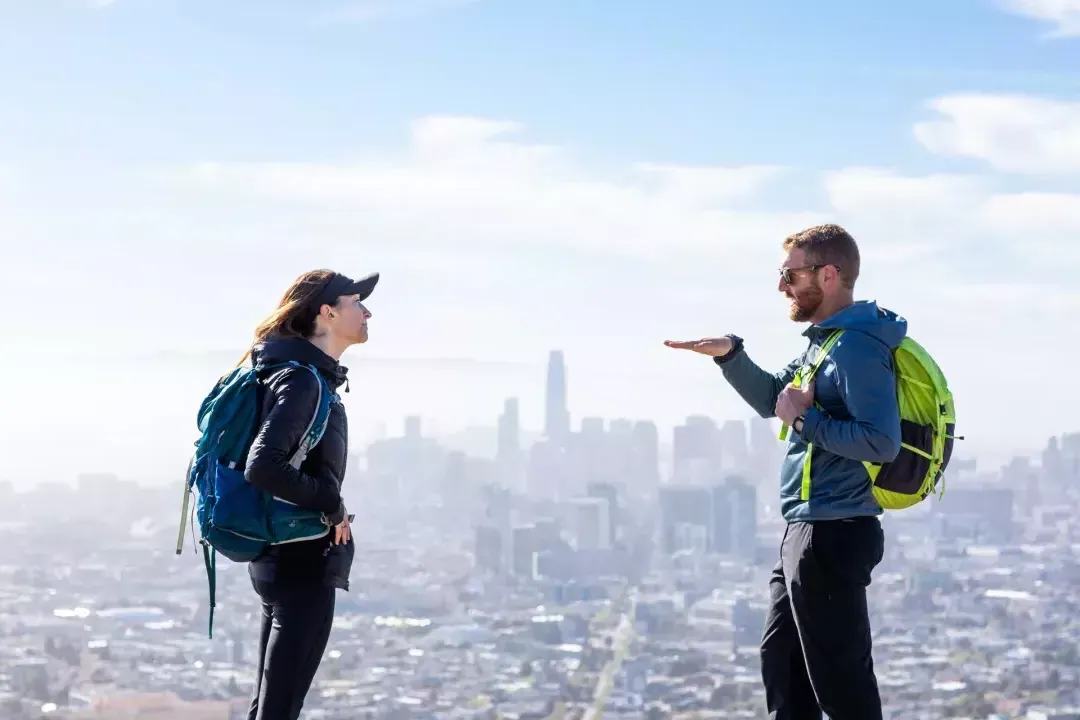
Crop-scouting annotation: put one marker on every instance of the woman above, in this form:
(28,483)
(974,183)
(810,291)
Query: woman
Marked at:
(318,318)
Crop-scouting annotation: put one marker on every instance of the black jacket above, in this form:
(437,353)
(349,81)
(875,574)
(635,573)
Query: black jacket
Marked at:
(287,403)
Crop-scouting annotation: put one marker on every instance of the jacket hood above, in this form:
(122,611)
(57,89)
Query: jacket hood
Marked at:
(865,316)
(279,349)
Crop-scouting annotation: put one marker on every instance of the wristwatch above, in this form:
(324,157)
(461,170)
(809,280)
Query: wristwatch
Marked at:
(797,425)
(736,346)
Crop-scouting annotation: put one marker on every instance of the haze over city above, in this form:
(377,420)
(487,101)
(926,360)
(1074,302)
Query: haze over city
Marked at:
(554,511)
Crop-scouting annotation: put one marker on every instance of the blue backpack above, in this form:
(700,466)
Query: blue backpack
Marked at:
(235,518)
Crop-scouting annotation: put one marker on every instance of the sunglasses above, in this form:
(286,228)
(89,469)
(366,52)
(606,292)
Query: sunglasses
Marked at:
(787,274)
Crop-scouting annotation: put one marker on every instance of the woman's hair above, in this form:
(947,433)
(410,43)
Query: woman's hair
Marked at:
(296,313)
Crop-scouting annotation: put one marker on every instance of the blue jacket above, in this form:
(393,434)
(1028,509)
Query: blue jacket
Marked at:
(859,419)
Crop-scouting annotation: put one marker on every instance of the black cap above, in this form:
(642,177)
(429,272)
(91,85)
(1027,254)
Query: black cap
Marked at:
(339,285)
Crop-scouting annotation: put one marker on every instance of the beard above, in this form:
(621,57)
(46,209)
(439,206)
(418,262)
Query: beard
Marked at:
(805,302)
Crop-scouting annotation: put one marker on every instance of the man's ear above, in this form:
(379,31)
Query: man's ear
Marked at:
(831,273)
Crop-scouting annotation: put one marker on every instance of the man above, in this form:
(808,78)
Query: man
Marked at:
(816,647)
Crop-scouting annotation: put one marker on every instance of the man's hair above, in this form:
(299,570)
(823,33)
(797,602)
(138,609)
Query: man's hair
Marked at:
(828,245)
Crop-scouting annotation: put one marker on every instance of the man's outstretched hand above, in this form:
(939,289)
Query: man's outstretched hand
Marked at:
(713,347)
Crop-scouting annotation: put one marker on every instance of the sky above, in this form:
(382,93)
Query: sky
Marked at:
(526,175)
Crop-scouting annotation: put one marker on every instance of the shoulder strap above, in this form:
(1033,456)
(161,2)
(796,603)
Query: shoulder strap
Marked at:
(315,429)
(806,374)
(823,352)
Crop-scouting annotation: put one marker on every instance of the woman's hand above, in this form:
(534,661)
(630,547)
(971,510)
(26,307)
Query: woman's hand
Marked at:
(342,531)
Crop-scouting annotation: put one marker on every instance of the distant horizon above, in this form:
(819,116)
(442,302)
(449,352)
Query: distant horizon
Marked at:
(484,386)
(529,436)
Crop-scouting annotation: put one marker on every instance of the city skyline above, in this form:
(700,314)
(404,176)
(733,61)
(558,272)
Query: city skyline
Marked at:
(535,421)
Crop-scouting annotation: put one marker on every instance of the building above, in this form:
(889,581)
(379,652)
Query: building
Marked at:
(590,523)
(696,452)
(556,412)
(610,494)
(509,458)
(683,508)
(733,528)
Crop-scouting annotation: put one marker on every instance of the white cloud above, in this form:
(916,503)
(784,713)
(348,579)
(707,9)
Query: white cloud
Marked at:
(462,183)
(1011,133)
(1064,15)
(862,189)
(948,211)
(875,194)
(706,185)
(1035,216)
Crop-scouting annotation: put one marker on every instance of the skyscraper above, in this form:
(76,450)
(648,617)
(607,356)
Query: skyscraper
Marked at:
(646,457)
(696,452)
(610,495)
(557,415)
(682,506)
(734,518)
(734,452)
(590,522)
(509,457)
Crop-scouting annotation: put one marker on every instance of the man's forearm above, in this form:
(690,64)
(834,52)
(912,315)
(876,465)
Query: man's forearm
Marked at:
(758,387)
(861,440)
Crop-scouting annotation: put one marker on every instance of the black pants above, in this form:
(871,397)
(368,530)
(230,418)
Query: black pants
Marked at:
(296,622)
(816,648)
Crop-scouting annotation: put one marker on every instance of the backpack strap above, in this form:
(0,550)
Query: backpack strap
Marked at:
(322,412)
(210,560)
(322,408)
(184,506)
(806,373)
(316,427)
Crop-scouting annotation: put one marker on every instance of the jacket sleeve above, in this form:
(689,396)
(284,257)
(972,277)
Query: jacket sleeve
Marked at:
(292,397)
(759,388)
(866,380)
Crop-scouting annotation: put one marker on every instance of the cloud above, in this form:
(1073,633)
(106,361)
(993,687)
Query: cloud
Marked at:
(705,185)
(473,187)
(876,191)
(1050,217)
(1011,133)
(464,183)
(1064,15)
(946,210)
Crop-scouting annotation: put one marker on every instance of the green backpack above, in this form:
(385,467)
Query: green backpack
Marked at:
(927,423)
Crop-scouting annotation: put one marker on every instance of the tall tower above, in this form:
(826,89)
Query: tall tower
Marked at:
(509,457)
(557,416)
(509,442)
